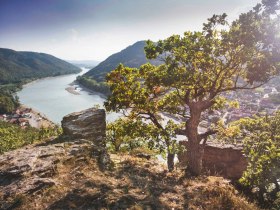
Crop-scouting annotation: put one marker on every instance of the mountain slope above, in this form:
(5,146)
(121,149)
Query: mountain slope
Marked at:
(133,56)
(16,66)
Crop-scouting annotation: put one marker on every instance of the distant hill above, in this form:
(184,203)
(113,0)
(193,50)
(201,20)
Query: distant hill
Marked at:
(133,56)
(84,63)
(17,66)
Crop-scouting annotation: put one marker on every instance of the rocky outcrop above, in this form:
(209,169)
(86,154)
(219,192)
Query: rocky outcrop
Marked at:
(32,168)
(225,160)
(89,124)
(29,169)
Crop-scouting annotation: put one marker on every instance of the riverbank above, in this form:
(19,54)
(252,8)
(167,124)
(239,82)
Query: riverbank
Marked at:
(89,91)
(50,97)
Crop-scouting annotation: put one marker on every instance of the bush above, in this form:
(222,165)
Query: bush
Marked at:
(262,148)
(13,136)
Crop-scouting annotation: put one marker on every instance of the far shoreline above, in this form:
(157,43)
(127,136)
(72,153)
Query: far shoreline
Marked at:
(45,78)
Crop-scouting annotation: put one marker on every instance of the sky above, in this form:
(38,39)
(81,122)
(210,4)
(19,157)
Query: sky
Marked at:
(95,29)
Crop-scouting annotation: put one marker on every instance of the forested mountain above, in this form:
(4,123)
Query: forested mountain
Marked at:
(17,66)
(132,56)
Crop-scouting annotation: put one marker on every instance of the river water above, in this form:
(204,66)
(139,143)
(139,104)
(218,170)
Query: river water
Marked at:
(49,97)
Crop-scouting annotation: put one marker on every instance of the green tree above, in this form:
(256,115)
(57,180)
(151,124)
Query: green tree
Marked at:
(125,133)
(129,134)
(90,83)
(198,67)
(8,102)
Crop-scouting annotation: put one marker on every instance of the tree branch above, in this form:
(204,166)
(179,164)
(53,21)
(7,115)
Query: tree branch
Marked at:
(180,132)
(207,134)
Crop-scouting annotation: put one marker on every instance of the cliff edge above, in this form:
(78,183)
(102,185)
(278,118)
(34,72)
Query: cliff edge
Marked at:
(76,172)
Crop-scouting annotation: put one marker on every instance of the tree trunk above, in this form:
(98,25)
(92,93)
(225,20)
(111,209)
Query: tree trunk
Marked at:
(261,194)
(170,161)
(195,155)
(194,150)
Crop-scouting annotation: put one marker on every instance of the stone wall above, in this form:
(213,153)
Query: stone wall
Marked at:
(225,160)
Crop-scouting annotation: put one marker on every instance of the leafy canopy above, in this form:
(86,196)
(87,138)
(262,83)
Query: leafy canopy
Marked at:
(201,65)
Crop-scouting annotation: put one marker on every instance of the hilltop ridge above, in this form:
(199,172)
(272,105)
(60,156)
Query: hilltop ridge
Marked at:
(133,56)
(18,66)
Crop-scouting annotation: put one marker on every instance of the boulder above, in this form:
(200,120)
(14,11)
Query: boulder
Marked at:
(89,124)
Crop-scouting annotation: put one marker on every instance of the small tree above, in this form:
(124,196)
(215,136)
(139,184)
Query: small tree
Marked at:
(144,123)
(197,69)
(124,133)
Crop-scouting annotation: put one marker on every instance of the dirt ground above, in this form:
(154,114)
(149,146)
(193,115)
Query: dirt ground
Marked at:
(133,183)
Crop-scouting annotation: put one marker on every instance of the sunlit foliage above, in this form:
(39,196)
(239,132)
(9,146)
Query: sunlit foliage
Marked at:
(13,136)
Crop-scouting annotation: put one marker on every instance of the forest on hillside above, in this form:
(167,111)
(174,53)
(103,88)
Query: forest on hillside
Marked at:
(18,68)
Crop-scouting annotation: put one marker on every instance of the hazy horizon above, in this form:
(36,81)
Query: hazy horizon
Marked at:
(95,29)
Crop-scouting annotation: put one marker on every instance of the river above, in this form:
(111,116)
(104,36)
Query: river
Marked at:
(49,97)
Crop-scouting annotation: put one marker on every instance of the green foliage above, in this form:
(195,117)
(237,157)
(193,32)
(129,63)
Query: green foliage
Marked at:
(16,67)
(89,83)
(262,148)
(260,137)
(127,134)
(124,135)
(8,102)
(13,136)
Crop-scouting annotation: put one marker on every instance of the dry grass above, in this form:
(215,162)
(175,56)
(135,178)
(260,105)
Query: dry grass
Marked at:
(134,183)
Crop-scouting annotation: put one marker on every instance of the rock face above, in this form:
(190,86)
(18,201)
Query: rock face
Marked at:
(32,168)
(225,160)
(89,124)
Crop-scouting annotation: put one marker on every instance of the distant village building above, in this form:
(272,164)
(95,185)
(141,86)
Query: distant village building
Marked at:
(18,117)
